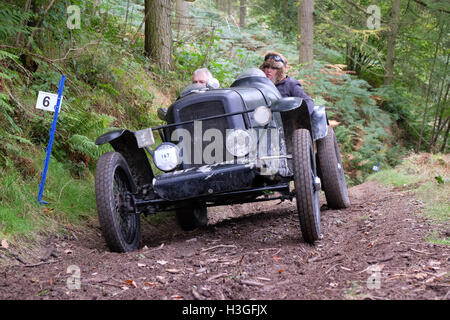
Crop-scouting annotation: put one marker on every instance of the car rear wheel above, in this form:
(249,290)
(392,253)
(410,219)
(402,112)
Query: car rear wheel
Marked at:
(119,223)
(191,218)
(332,171)
(307,185)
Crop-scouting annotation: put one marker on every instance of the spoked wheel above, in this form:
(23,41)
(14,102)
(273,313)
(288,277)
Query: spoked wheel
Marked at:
(191,218)
(332,171)
(113,188)
(307,185)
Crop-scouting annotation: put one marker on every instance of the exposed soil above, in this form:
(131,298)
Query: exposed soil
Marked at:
(376,249)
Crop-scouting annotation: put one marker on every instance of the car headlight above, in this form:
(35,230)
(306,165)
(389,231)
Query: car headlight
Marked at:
(167,156)
(262,115)
(238,142)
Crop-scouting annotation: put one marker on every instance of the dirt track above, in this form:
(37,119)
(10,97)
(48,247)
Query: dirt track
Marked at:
(373,250)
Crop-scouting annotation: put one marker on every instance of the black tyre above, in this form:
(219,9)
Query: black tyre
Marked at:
(192,217)
(120,225)
(332,172)
(307,193)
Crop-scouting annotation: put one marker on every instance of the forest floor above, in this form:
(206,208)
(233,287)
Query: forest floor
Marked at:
(376,249)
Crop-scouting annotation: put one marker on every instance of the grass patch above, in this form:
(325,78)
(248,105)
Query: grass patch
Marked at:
(435,239)
(436,200)
(393,177)
(12,222)
(69,201)
(17,213)
(160,218)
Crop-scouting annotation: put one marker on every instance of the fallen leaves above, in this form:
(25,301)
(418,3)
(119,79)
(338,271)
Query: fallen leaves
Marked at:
(252,283)
(420,276)
(173,271)
(48,210)
(5,244)
(217,247)
(334,284)
(150,284)
(131,283)
(334,123)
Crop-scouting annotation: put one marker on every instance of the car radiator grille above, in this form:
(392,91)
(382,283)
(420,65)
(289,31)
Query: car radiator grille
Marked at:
(203,110)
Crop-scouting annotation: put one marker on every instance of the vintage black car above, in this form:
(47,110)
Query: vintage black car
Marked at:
(220,146)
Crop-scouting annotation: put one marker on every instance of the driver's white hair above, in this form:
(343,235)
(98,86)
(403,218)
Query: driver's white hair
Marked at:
(205,71)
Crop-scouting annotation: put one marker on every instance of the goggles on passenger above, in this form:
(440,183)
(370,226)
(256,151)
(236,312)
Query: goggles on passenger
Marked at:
(275,57)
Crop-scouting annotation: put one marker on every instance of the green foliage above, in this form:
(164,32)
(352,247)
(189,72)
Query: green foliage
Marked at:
(439,179)
(362,132)
(392,177)
(435,238)
(95,68)
(204,52)
(13,21)
(16,215)
(84,145)
(280,15)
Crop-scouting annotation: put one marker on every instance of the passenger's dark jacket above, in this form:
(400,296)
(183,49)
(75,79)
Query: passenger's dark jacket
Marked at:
(291,87)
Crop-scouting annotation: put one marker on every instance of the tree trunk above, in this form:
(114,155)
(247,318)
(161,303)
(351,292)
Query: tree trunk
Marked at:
(230,7)
(158,33)
(305,32)
(242,13)
(20,36)
(349,61)
(390,56)
(444,144)
(147,34)
(438,41)
(438,104)
(181,15)
(126,16)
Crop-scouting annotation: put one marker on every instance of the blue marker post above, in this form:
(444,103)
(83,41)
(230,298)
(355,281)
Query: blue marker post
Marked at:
(376,168)
(50,143)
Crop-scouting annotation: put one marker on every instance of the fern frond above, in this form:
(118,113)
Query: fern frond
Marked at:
(13,20)
(84,145)
(20,139)
(6,54)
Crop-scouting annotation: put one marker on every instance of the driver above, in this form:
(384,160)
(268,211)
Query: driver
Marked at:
(275,67)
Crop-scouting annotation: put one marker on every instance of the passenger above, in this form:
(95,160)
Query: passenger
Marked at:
(275,67)
(201,77)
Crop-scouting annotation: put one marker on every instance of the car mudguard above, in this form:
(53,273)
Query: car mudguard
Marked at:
(124,142)
(295,115)
(319,123)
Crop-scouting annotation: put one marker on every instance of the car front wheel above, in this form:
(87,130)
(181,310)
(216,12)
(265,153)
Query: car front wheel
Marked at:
(307,185)
(119,223)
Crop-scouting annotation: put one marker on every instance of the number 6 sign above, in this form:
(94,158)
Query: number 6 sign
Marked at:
(47,101)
